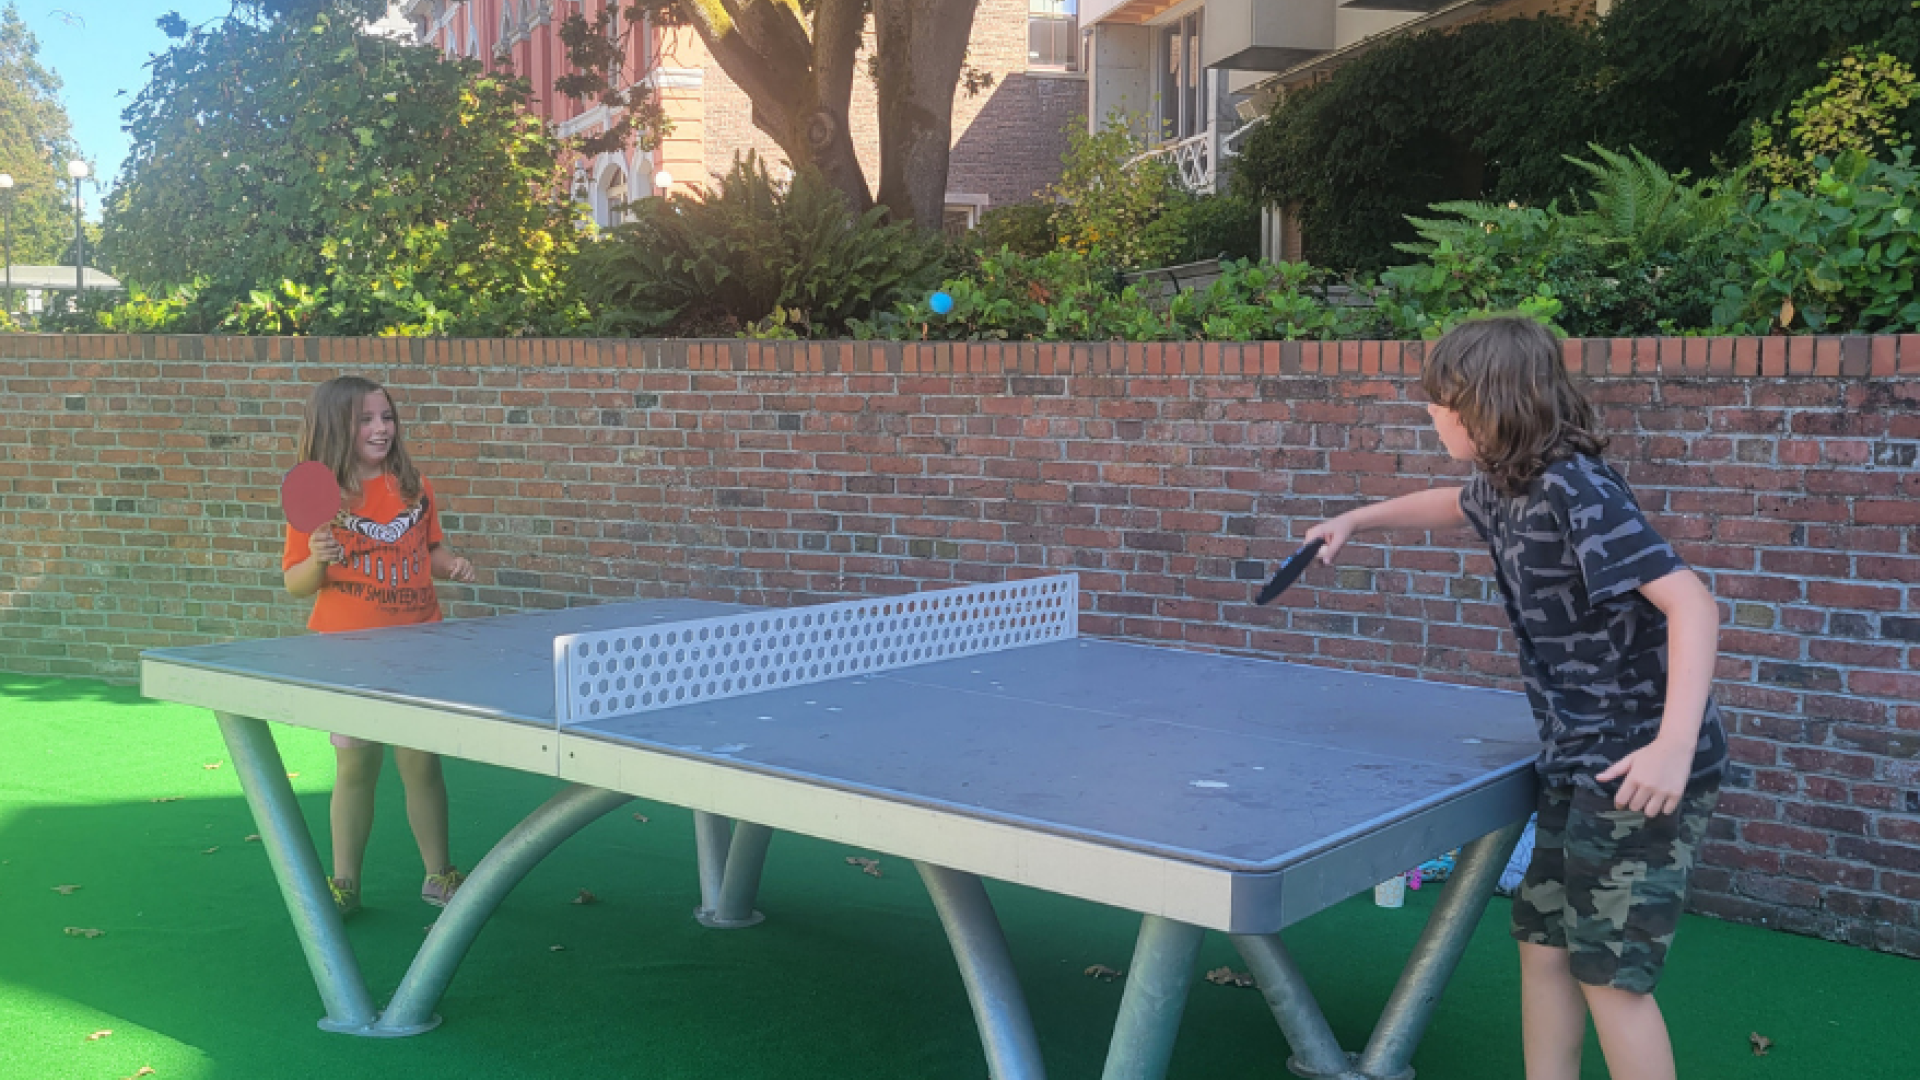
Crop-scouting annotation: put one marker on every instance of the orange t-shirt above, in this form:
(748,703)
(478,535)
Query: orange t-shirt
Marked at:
(386,576)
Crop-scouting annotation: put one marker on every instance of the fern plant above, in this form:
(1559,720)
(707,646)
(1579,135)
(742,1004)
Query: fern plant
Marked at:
(1642,211)
(726,261)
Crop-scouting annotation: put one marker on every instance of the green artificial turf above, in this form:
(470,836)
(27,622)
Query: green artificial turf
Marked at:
(197,973)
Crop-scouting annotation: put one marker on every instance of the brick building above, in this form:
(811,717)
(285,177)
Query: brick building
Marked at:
(1007,140)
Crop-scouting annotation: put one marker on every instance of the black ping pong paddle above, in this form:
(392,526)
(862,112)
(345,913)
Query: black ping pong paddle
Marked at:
(1289,570)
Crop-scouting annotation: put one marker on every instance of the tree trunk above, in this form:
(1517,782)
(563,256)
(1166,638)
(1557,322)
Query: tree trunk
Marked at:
(801,85)
(922,45)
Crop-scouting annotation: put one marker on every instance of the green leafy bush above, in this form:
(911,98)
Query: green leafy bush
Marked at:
(1217,227)
(1843,257)
(1252,301)
(752,257)
(1116,205)
(1483,111)
(1860,107)
(1643,255)
(1022,228)
(398,191)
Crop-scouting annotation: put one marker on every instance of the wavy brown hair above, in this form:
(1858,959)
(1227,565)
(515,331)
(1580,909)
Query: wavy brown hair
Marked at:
(327,430)
(1505,377)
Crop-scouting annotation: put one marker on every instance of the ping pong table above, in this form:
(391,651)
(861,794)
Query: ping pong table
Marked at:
(969,730)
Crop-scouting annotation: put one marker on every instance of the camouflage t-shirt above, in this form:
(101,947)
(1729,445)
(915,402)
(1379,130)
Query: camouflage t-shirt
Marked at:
(1571,555)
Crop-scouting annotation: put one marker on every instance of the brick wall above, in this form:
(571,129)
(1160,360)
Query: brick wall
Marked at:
(138,485)
(1007,140)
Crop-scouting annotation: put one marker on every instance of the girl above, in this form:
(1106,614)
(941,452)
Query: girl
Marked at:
(374,566)
(1617,640)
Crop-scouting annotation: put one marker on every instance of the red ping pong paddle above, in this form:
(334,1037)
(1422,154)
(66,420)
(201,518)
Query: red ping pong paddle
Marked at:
(1292,568)
(309,496)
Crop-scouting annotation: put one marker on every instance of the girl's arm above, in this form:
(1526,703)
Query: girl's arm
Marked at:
(1653,778)
(448,566)
(1435,508)
(303,579)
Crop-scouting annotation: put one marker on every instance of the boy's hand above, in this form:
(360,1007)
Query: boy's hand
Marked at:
(460,570)
(1652,778)
(1335,532)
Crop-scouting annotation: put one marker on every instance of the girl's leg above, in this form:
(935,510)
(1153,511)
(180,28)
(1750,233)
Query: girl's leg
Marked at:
(1633,1033)
(1553,1014)
(356,773)
(426,805)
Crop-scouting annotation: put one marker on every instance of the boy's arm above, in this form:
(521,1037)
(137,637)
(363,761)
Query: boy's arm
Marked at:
(1653,778)
(1435,508)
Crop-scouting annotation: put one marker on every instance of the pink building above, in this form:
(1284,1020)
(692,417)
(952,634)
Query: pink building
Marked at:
(1007,139)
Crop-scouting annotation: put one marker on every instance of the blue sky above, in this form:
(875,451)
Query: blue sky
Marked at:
(98,47)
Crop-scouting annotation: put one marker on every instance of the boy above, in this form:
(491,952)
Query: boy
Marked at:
(1617,640)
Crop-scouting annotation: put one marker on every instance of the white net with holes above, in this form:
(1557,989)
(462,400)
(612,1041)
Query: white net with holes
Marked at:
(618,672)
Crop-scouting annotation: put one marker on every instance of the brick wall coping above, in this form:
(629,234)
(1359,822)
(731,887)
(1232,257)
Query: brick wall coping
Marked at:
(1849,356)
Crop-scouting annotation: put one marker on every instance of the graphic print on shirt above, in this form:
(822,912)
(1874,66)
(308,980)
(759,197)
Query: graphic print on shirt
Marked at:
(385,564)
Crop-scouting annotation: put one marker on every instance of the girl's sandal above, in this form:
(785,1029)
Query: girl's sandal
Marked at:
(439,888)
(346,896)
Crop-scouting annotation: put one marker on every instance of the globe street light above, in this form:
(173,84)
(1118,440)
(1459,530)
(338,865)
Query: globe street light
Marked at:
(78,170)
(6,192)
(663,180)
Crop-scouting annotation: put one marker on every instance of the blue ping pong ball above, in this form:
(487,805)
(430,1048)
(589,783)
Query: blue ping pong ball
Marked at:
(940,302)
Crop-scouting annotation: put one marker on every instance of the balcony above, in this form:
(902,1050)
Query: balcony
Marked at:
(1199,158)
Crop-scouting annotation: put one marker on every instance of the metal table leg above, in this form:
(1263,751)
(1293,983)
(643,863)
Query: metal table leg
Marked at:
(1444,940)
(1316,1052)
(712,834)
(986,967)
(296,866)
(572,809)
(1155,998)
(740,882)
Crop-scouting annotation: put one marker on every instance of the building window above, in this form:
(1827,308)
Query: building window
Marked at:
(616,188)
(1181,93)
(1053,35)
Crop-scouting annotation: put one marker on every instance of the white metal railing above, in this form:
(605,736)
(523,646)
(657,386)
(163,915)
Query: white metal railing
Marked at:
(1198,157)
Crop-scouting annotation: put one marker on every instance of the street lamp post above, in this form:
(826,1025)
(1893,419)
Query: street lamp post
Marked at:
(78,170)
(6,192)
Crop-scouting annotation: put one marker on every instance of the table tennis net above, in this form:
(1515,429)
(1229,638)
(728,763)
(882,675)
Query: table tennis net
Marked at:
(606,673)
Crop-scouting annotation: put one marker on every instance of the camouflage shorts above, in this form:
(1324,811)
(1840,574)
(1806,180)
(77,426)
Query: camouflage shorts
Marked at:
(1608,885)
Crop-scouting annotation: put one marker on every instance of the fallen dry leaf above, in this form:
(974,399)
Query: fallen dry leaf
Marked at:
(98,1035)
(293,776)
(1226,976)
(145,1070)
(81,931)
(1760,1043)
(586,897)
(211,765)
(556,948)
(641,818)
(168,798)
(1101,972)
(250,838)
(867,866)
(65,890)
(211,850)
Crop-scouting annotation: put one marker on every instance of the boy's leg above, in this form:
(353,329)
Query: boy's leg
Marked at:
(1553,1014)
(426,805)
(1633,1033)
(1626,888)
(356,774)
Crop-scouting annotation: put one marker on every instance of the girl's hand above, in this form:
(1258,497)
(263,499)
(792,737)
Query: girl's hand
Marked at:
(324,545)
(460,570)
(1335,532)
(1652,779)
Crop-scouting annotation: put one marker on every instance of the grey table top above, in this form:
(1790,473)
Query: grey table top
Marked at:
(1239,764)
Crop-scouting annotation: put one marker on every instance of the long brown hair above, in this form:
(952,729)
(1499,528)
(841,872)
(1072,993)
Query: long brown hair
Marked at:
(327,430)
(1505,378)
